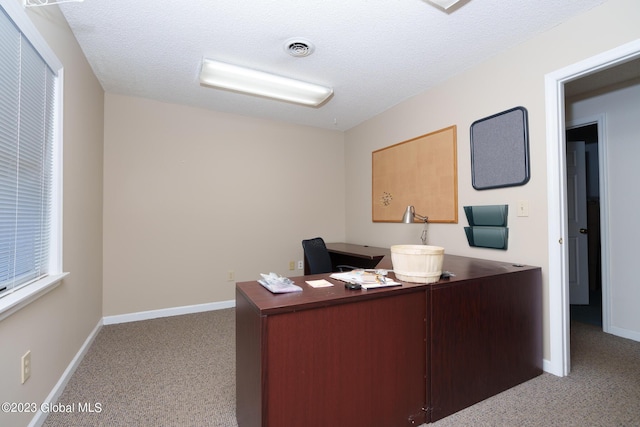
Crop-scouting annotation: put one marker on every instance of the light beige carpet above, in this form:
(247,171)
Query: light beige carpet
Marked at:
(175,371)
(180,371)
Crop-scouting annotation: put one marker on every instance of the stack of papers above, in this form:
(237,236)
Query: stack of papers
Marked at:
(367,279)
(278,284)
(319,283)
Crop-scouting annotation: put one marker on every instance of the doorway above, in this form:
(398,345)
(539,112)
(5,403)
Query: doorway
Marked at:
(559,317)
(589,308)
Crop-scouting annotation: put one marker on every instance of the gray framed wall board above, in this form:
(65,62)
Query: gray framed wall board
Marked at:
(500,150)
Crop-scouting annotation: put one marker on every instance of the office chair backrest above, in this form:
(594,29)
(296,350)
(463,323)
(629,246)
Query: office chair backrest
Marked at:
(317,256)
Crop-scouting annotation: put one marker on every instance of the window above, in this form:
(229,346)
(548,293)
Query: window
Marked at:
(29,157)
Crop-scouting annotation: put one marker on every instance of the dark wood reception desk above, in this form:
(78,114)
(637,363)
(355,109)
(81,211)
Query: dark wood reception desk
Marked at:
(398,356)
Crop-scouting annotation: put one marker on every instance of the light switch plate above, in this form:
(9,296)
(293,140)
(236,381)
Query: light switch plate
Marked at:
(523,208)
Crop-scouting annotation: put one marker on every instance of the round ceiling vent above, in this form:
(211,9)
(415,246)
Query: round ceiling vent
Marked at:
(298,47)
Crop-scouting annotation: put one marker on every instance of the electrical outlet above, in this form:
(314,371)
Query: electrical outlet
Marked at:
(300,265)
(26,366)
(292,265)
(231,276)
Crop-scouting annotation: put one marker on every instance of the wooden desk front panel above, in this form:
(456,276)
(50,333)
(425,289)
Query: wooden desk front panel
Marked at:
(486,337)
(249,372)
(329,356)
(355,364)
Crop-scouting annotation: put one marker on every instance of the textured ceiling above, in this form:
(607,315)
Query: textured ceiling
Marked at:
(374,53)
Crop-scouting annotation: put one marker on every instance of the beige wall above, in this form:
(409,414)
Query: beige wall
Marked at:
(513,78)
(55,326)
(192,194)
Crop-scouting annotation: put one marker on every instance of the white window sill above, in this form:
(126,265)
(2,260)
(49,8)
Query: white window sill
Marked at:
(15,301)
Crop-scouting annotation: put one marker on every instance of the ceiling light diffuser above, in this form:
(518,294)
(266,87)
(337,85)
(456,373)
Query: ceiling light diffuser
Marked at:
(232,77)
(38,3)
(445,4)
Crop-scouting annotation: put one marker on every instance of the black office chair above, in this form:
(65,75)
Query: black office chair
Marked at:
(318,258)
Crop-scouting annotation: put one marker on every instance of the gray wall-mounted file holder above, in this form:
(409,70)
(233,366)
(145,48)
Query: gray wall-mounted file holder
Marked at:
(487,237)
(487,226)
(492,216)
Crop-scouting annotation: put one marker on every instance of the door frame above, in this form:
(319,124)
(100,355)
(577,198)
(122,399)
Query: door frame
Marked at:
(559,363)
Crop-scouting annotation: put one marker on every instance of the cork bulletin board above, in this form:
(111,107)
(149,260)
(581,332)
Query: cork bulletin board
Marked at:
(421,172)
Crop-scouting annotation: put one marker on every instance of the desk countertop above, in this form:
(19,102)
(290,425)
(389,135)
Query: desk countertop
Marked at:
(362,251)
(464,268)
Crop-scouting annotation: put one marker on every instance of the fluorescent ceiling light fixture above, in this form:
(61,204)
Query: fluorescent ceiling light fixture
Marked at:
(38,3)
(240,79)
(445,4)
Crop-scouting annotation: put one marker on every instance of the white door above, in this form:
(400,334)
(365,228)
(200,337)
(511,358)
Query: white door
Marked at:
(577,223)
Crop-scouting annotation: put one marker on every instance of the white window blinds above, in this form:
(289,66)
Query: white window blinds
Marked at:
(27,108)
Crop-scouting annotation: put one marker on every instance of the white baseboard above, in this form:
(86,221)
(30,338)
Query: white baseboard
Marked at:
(548,367)
(167,312)
(40,416)
(624,333)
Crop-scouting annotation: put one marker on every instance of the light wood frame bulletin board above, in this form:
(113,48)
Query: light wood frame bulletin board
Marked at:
(422,172)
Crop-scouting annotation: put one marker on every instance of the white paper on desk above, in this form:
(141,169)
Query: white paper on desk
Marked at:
(380,285)
(355,276)
(319,283)
(366,279)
